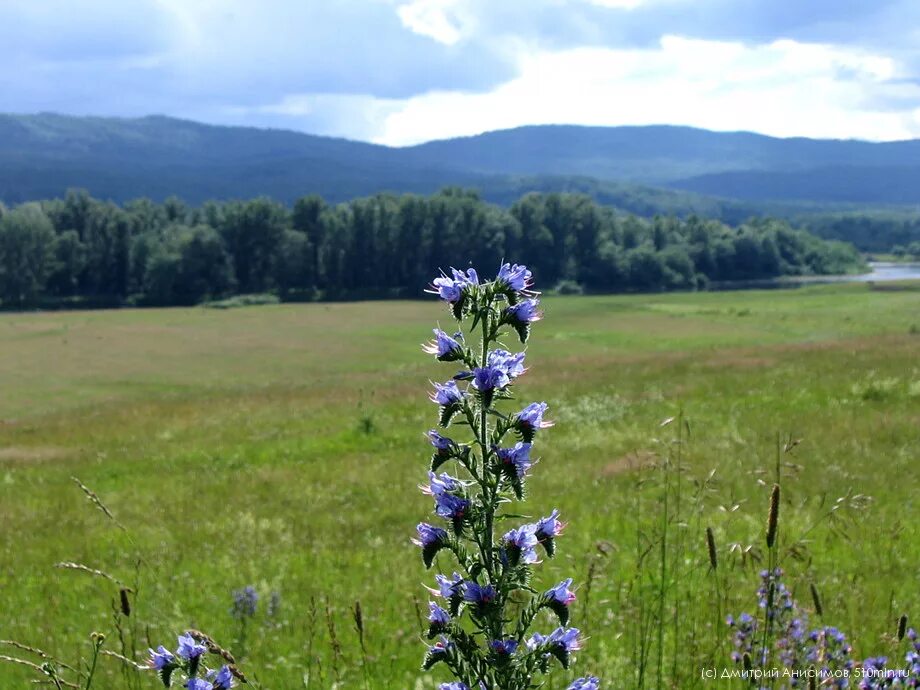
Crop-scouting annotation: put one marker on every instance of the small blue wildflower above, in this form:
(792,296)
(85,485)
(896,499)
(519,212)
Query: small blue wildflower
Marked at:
(480,595)
(442,484)
(437,652)
(525,311)
(514,276)
(549,527)
(520,545)
(503,647)
(244,602)
(445,348)
(429,535)
(456,685)
(515,460)
(222,679)
(437,614)
(532,416)
(487,379)
(447,587)
(561,593)
(589,683)
(446,394)
(161,658)
(198,684)
(189,648)
(511,364)
(451,507)
(438,441)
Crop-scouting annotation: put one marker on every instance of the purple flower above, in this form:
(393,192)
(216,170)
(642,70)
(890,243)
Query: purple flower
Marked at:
(503,647)
(437,614)
(437,652)
(443,347)
(222,679)
(446,394)
(480,595)
(447,587)
(440,485)
(450,289)
(561,593)
(520,545)
(438,441)
(549,527)
(244,602)
(456,685)
(198,684)
(525,311)
(189,648)
(515,276)
(531,417)
(429,536)
(589,683)
(489,378)
(515,460)
(451,507)
(512,365)
(161,658)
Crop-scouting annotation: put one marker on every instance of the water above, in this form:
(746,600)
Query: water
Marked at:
(883,271)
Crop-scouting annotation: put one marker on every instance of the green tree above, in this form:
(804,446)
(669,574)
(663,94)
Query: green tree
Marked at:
(26,254)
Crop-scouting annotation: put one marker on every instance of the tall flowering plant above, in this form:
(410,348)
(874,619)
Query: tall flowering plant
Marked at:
(485,608)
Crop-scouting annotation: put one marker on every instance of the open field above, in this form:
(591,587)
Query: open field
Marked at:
(281,446)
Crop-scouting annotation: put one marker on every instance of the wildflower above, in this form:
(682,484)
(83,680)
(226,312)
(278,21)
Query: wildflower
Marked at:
(445,348)
(189,648)
(530,419)
(513,276)
(198,684)
(743,639)
(431,539)
(446,394)
(487,379)
(453,686)
(520,545)
(439,651)
(521,315)
(589,683)
(547,530)
(442,484)
(515,460)
(511,365)
(451,507)
(560,643)
(438,620)
(244,602)
(481,596)
(441,443)
(222,679)
(161,658)
(503,649)
(450,589)
(558,599)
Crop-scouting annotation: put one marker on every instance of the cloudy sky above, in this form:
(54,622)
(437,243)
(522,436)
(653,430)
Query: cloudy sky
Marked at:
(403,71)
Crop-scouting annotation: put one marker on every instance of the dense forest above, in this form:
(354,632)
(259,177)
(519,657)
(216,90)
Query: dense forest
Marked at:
(82,251)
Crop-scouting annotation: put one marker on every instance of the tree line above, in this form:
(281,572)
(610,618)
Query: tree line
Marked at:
(83,251)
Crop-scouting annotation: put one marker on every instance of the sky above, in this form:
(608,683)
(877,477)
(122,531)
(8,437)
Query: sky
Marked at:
(400,72)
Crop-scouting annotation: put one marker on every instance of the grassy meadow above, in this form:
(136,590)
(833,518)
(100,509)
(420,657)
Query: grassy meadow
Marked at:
(281,446)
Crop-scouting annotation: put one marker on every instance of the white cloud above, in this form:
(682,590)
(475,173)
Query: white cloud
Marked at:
(783,88)
(437,19)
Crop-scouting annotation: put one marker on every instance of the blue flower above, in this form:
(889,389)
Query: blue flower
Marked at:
(489,378)
(515,276)
(244,602)
(446,394)
(451,507)
(429,535)
(504,647)
(532,416)
(520,545)
(448,588)
(589,683)
(480,595)
(198,684)
(515,460)
(444,347)
(549,527)
(450,289)
(512,365)
(561,593)
(437,614)
(456,685)
(438,441)
(437,652)
(161,658)
(222,679)
(525,311)
(440,484)
(188,648)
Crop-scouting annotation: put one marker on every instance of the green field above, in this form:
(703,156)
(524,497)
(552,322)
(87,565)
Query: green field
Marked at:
(281,446)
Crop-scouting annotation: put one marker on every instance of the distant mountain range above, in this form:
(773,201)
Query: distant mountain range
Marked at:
(640,169)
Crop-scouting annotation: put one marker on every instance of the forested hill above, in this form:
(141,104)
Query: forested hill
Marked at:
(83,252)
(43,155)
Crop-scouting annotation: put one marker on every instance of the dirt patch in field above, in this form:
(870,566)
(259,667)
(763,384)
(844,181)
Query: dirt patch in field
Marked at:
(629,462)
(33,454)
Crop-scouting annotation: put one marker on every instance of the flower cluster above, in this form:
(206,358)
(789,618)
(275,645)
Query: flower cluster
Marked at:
(493,650)
(187,660)
(245,602)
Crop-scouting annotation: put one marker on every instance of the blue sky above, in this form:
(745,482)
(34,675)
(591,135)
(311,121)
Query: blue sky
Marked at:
(403,71)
